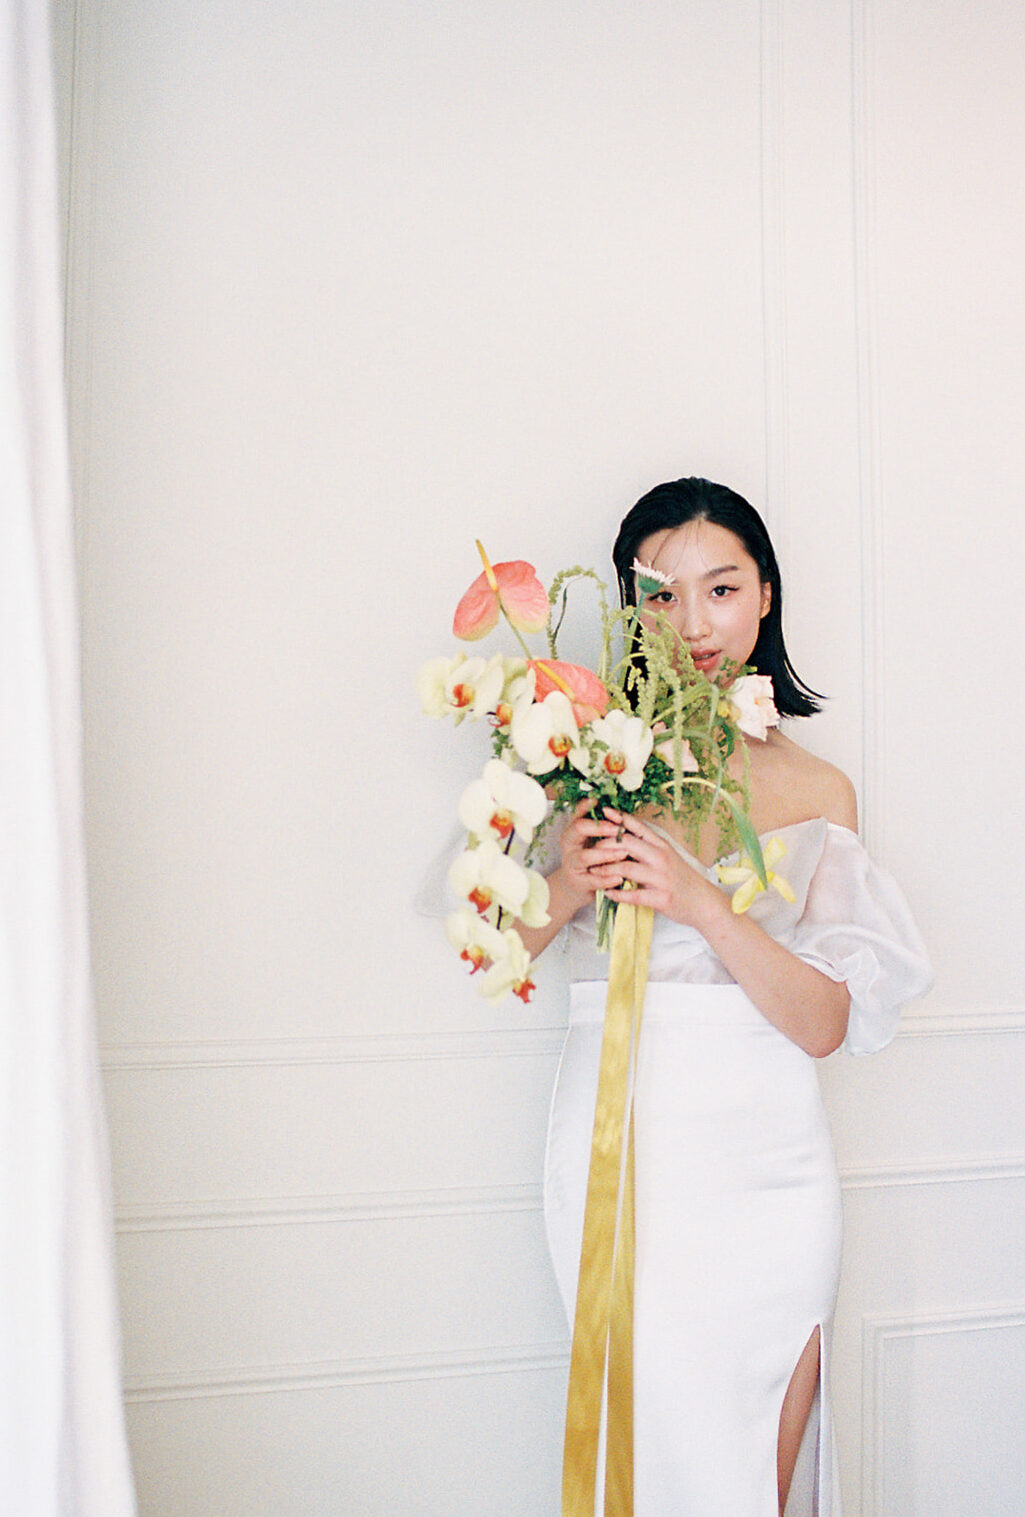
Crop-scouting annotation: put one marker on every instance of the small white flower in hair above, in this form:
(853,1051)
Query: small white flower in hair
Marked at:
(651,580)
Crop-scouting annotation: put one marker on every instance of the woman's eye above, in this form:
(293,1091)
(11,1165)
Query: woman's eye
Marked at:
(661,597)
(721,591)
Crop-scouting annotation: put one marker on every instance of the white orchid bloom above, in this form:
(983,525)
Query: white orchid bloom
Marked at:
(476,691)
(509,972)
(752,706)
(543,732)
(461,687)
(502,956)
(490,880)
(627,747)
(476,940)
(503,801)
(518,690)
(432,682)
(534,911)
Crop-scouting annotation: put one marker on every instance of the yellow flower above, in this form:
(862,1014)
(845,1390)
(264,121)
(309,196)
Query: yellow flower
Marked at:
(744,876)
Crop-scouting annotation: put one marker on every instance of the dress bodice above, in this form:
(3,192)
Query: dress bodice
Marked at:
(848,919)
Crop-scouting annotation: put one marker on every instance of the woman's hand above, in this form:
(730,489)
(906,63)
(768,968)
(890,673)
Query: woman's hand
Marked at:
(592,859)
(806,1005)
(593,853)
(659,875)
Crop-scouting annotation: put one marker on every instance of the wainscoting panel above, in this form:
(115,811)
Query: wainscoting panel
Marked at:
(382,1445)
(217,1301)
(326,1119)
(927,1356)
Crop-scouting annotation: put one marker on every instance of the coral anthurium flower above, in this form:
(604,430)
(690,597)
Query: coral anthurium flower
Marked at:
(544,732)
(502,801)
(745,877)
(588,695)
(513,588)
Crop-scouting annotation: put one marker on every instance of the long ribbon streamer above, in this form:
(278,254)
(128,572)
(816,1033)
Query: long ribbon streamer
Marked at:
(603,1325)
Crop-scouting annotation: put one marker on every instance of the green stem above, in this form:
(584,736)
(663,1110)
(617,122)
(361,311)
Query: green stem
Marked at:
(748,836)
(516,631)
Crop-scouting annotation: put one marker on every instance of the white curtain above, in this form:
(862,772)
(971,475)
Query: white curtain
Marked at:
(62,1443)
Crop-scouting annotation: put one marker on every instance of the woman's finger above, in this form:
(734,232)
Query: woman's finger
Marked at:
(627,822)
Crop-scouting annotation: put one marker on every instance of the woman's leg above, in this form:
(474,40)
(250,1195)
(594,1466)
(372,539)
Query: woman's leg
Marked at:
(793,1419)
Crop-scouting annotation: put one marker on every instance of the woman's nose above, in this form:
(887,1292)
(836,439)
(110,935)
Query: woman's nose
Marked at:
(693,622)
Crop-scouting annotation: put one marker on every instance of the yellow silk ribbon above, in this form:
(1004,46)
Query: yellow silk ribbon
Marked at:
(603,1325)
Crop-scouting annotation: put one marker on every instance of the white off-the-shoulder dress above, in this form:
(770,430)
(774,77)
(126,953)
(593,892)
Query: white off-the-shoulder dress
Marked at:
(737,1197)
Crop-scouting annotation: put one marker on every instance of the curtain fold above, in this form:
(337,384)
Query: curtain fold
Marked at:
(63,1451)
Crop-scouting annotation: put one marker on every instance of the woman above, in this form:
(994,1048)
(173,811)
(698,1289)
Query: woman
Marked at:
(737,1198)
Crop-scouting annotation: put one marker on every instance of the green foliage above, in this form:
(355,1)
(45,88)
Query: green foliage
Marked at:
(649,671)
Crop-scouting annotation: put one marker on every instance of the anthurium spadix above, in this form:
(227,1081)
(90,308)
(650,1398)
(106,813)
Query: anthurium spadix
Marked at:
(501,802)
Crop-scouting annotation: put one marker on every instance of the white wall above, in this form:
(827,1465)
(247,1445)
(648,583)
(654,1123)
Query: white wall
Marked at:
(348,288)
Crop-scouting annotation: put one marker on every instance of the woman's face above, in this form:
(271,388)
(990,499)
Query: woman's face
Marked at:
(716,601)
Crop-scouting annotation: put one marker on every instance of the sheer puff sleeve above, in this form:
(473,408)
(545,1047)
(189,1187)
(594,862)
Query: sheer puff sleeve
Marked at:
(857,927)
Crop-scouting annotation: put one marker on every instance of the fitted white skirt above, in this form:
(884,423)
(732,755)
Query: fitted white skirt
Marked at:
(738,1242)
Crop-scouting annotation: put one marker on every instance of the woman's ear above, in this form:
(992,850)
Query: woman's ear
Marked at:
(766,599)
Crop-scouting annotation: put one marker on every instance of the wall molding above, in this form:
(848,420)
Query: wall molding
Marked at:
(497,1043)
(968,1022)
(932,1172)
(879,1332)
(291,1211)
(276,1379)
(486,1200)
(372,1048)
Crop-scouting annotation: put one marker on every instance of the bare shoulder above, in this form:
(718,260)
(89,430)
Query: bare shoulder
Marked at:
(825,789)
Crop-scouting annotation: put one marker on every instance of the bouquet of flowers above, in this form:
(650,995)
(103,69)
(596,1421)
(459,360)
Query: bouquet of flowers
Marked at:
(646,730)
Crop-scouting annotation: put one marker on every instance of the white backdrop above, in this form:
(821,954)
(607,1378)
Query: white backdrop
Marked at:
(347,289)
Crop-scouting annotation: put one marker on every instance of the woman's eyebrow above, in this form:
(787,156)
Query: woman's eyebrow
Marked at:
(723,569)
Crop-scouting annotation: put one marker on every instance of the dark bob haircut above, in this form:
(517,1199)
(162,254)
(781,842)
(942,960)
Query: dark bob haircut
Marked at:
(685,500)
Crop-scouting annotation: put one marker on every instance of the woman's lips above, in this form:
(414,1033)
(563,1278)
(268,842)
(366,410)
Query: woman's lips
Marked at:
(704,658)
